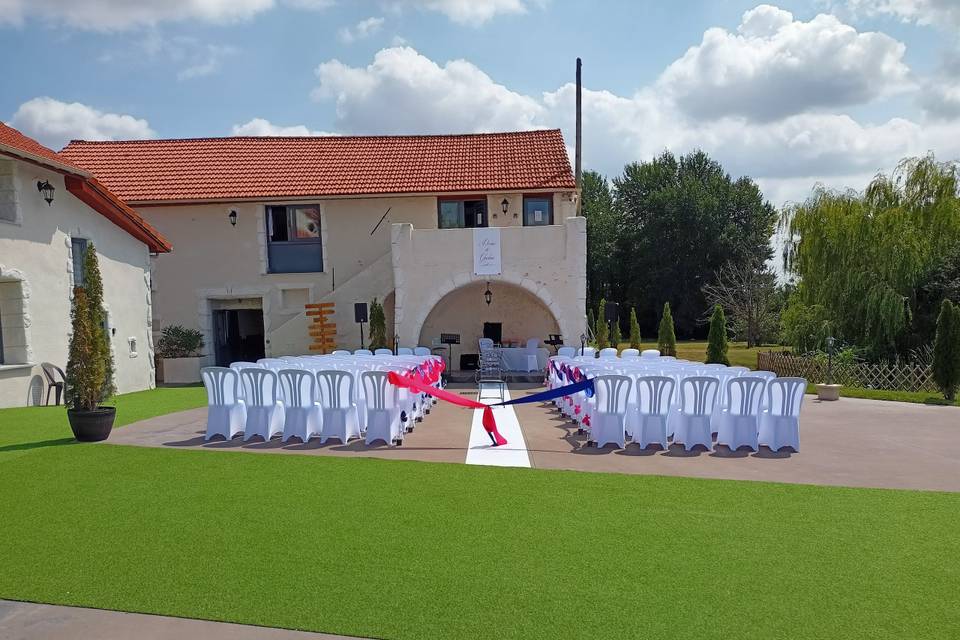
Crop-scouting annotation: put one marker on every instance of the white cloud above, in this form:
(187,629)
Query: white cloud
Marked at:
(938,13)
(262,127)
(361,30)
(402,91)
(467,11)
(191,57)
(112,15)
(54,123)
(208,62)
(775,66)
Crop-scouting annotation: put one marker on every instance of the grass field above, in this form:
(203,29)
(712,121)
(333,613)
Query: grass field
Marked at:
(417,550)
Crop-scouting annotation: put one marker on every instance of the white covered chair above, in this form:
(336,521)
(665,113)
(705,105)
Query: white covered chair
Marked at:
(780,422)
(407,351)
(265,412)
(421,351)
(654,395)
(587,352)
(767,376)
(302,417)
(383,352)
(341,352)
(226,412)
(533,346)
(608,354)
(629,354)
(363,352)
(383,408)
(739,422)
(608,418)
(341,419)
(649,354)
(238,367)
(567,352)
(698,395)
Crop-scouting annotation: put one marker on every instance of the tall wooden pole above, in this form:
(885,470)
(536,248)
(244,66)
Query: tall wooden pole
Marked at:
(579,141)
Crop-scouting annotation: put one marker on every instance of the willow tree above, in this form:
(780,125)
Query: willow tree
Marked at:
(862,257)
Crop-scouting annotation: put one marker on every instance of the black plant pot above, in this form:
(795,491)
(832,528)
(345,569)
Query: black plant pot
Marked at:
(92,426)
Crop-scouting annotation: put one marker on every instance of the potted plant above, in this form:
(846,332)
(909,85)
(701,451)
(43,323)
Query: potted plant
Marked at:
(180,349)
(829,391)
(89,379)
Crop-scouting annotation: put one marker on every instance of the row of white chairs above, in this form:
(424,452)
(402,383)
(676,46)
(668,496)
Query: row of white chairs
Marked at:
(654,399)
(307,396)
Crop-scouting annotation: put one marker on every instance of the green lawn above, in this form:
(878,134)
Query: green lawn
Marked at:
(417,550)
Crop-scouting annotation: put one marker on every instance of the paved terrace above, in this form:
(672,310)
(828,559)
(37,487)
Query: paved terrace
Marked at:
(853,442)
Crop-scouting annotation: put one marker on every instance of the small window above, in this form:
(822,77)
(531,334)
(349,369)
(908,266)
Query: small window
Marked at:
(294,243)
(133,346)
(78,247)
(461,214)
(537,211)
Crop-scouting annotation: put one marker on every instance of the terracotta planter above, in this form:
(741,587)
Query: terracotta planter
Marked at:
(828,392)
(92,426)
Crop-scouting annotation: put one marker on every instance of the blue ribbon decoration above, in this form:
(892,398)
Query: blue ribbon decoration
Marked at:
(585,385)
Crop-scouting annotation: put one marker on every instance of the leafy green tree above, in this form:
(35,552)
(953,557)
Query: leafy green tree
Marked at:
(717,338)
(680,220)
(804,327)
(864,258)
(602,228)
(634,330)
(601,332)
(378,326)
(666,336)
(615,337)
(946,351)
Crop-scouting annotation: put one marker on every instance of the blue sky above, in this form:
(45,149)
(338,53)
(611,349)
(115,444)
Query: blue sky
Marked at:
(791,93)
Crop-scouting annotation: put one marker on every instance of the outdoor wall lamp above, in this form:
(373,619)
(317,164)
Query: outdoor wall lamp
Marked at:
(232,217)
(46,190)
(504,206)
(488,295)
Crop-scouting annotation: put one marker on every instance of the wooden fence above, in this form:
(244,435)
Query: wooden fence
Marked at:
(892,377)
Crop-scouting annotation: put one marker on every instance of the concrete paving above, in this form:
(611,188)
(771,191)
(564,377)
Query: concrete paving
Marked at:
(30,621)
(853,442)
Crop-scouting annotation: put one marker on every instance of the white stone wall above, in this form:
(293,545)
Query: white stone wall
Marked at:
(36,283)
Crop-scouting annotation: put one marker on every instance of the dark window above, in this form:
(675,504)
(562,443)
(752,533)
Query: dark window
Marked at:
(537,210)
(461,214)
(293,239)
(78,248)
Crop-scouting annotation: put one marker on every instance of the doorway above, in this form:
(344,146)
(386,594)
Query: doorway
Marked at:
(238,335)
(493,331)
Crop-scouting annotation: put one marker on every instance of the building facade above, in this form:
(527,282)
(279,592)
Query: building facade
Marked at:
(41,249)
(263,227)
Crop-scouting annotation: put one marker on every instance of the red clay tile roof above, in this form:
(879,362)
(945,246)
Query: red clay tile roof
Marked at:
(83,186)
(199,169)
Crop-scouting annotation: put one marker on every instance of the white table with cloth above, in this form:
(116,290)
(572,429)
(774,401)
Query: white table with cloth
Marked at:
(515,358)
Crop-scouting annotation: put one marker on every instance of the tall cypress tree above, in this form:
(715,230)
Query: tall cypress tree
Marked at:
(634,329)
(93,286)
(717,339)
(946,351)
(601,331)
(666,336)
(615,337)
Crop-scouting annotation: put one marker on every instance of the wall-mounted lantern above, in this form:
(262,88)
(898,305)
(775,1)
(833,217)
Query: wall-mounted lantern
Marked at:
(504,206)
(46,190)
(488,295)
(232,217)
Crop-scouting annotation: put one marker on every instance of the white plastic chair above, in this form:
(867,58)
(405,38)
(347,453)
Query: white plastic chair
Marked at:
(238,367)
(302,417)
(407,351)
(767,376)
(608,353)
(608,418)
(340,415)
(629,354)
(739,422)
(226,412)
(780,422)
(421,351)
(533,345)
(588,352)
(265,413)
(567,352)
(383,352)
(654,395)
(383,409)
(363,352)
(649,354)
(698,395)
(341,352)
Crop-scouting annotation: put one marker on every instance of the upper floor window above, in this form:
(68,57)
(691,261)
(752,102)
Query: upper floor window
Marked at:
(460,213)
(537,210)
(78,250)
(294,244)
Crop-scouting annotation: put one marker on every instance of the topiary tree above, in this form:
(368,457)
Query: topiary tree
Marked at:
(93,283)
(666,336)
(946,351)
(378,326)
(634,329)
(615,337)
(89,375)
(601,333)
(717,338)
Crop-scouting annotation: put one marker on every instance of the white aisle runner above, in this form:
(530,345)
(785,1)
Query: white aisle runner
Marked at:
(481,451)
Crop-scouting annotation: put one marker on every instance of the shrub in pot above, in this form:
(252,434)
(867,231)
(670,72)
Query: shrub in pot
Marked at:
(89,379)
(180,348)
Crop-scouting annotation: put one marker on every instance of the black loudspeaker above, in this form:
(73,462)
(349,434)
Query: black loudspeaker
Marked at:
(611,312)
(360,312)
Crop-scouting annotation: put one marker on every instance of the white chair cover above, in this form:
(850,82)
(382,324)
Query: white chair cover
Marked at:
(407,351)
(383,352)
(238,367)
(265,411)
(649,354)
(533,346)
(628,354)
(226,412)
(302,417)
(363,352)
(340,415)
(485,343)
(654,395)
(698,395)
(341,352)
(608,419)
(588,352)
(608,353)
(780,422)
(567,352)
(383,410)
(421,351)
(739,422)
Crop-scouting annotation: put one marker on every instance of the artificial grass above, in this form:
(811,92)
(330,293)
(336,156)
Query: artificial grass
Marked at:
(418,550)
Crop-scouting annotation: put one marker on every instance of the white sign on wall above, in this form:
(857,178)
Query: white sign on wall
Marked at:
(486,251)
